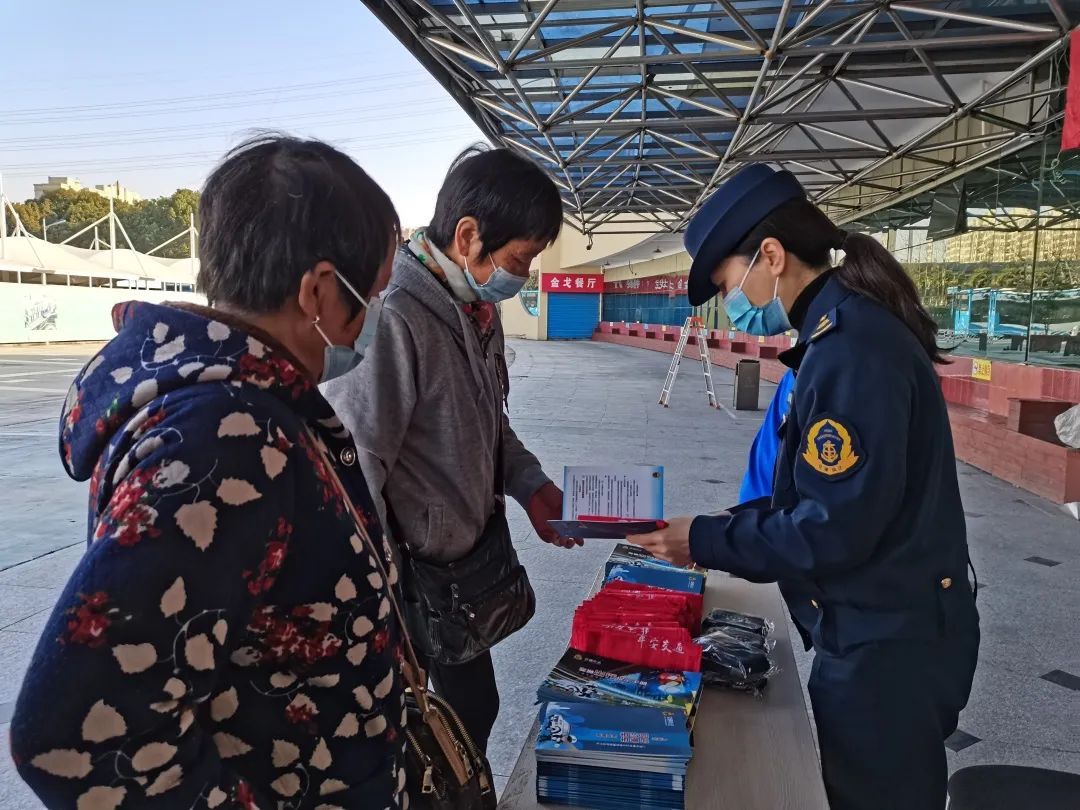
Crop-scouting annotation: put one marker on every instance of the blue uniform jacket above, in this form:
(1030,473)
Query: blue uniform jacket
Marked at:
(758,481)
(865,530)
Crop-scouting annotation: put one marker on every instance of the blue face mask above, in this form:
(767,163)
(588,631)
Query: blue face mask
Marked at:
(767,320)
(340,360)
(502,285)
(367,332)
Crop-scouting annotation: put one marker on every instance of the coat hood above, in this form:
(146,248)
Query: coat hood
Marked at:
(163,348)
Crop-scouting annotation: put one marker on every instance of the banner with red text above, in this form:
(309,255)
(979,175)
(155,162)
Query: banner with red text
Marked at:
(652,285)
(571,282)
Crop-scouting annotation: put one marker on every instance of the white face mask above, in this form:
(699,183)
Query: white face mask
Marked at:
(340,360)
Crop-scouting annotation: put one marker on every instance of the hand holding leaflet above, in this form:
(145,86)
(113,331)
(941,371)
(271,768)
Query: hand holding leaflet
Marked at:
(544,508)
(609,503)
(671,543)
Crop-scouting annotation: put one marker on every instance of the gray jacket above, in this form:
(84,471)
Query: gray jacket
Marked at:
(423,408)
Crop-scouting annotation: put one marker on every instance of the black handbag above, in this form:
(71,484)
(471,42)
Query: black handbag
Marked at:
(461,609)
(435,781)
(444,770)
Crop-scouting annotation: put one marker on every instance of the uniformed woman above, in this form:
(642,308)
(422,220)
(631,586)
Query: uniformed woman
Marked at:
(865,529)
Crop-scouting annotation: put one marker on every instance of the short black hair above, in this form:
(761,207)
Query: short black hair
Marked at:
(278,205)
(509,195)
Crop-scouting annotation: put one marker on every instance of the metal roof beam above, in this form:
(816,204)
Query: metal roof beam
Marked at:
(577,154)
(701,77)
(892,91)
(1020,142)
(521,20)
(606,161)
(923,57)
(962,142)
(693,102)
(685,145)
(977,19)
(843,137)
(508,112)
(693,181)
(541,56)
(717,65)
(979,100)
(461,50)
(801,38)
(704,36)
(778,156)
(588,108)
(802,24)
(725,124)
(601,5)
(938,43)
(532,150)
(1002,102)
(743,24)
(1059,14)
(534,26)
(857,30)
(588,78)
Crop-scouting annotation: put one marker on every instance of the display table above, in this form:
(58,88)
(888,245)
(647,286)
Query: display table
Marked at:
(749,753)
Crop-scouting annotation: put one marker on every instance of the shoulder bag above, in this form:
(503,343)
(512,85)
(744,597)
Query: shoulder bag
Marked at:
(461,609)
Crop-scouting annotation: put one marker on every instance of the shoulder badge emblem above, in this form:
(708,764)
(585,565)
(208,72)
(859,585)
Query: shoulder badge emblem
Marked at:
(825,325)
(831,448)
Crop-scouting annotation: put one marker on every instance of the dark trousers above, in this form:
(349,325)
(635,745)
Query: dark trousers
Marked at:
(472,692)
(883,712)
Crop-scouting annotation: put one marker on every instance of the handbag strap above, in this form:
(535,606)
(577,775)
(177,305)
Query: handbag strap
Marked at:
(414,674)
(500,457)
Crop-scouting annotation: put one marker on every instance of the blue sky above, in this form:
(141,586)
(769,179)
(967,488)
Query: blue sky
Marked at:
(153,93)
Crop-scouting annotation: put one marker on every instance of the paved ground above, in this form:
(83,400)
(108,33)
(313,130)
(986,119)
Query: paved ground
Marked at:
(596,403)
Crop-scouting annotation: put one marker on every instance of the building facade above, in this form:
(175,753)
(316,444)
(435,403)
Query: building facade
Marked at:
(113,191)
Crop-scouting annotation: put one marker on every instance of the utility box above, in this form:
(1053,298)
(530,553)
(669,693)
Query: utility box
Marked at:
(747,385)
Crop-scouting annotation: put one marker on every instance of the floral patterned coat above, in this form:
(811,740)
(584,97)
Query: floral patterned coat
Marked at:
(227,640)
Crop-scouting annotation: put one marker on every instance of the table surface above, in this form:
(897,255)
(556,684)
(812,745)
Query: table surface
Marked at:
(749,753)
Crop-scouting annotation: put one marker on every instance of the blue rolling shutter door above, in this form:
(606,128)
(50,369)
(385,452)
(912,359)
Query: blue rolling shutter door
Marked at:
(572,316)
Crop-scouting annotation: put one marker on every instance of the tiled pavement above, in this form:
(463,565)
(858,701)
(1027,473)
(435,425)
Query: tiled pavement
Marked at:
(592,403)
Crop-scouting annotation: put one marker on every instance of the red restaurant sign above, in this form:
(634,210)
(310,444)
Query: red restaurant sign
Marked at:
(1070,136)
(653,285)
(571,282)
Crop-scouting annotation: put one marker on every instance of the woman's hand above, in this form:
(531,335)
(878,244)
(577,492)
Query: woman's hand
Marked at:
(545,505)
(671,543)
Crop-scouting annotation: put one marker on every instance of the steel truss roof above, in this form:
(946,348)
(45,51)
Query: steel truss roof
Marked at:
(639,108)
(1029,189)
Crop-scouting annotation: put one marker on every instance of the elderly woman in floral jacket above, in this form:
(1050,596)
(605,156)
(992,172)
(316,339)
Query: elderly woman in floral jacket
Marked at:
(227,640)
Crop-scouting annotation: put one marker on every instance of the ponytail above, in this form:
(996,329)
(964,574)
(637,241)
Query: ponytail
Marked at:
(871,271)
(867,267)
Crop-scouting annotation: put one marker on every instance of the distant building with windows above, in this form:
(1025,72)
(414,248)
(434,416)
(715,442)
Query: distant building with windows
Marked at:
(114,191)
(1059,242)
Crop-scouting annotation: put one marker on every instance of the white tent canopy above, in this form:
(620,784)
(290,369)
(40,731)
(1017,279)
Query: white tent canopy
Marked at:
(28,254)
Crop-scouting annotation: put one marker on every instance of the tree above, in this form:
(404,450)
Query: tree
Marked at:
(87,208)
(980,277)
(183,203)
(149,223)
(32,212)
